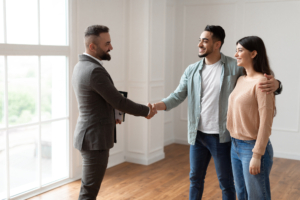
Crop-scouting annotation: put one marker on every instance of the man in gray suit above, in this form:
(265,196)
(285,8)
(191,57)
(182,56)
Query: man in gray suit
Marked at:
(97,98)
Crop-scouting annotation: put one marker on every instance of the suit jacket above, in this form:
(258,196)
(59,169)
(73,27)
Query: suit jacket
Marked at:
(97,98)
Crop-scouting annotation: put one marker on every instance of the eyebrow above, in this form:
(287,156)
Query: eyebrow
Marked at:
(203,38)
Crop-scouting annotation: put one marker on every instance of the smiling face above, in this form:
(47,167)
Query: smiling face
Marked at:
(207,44)
(243,56)
(102,46)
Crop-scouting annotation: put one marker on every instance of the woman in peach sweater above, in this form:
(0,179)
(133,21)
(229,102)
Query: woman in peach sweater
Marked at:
(249,121)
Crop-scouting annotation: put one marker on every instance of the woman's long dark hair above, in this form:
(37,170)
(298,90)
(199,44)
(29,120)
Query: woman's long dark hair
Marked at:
(260,61)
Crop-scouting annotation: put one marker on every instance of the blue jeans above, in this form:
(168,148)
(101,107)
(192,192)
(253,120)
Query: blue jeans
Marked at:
(248,186)
(208,146)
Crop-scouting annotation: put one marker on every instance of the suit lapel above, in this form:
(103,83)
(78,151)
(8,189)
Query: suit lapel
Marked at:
(88,58)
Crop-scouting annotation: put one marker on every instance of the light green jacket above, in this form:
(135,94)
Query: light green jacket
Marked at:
(190,86)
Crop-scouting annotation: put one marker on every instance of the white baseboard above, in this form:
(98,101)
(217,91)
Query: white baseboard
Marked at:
(144,161)
(116,159)
(292,156)
(156,158)
(169,141)
(181,141)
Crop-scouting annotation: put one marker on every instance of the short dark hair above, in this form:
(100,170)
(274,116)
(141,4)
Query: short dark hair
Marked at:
(95,30)
(217,31)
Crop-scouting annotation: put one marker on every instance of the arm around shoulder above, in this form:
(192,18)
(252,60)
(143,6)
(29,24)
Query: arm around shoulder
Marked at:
(271,85)
(279,90)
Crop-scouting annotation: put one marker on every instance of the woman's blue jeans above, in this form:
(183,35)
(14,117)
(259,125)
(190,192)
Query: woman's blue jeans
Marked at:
(207,146)
(248,186)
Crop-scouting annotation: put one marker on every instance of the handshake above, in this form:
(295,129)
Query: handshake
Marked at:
(154,108)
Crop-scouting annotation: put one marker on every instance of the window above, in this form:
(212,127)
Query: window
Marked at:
(34,96)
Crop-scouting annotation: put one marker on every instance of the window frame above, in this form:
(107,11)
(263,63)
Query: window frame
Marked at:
(69,50)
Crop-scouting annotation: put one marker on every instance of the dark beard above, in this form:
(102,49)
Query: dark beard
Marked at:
(101,55)
(203,56)
(105,56)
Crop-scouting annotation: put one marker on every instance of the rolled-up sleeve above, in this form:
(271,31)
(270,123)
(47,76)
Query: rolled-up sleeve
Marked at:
(179,95)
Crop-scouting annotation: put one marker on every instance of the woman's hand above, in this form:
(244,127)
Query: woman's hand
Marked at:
(254,167)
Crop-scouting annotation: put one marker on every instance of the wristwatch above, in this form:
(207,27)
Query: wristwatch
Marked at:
(278,91)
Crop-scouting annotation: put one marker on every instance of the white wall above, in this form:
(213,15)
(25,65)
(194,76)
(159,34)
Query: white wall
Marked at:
(146,78)
(277,23)
(169,69)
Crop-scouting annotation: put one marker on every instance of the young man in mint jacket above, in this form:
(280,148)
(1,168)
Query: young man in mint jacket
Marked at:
(208,84)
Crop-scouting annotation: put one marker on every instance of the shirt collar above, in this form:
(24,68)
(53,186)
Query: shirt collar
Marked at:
(100,61)
(223,60)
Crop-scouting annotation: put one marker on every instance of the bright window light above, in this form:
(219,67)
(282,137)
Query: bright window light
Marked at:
(53,87)
(34,96)
(54,151)
(22,21)
(22,89)
(2,89)
(23,158)
(1,22)
(53,23)
(2,165)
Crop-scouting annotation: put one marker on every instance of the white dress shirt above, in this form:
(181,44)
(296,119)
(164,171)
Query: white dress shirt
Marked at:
(100,61)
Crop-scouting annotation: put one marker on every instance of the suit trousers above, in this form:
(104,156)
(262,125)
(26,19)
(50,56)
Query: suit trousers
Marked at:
(93,170)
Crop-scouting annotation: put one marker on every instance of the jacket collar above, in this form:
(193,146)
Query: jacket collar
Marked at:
(88,58)
(223,58)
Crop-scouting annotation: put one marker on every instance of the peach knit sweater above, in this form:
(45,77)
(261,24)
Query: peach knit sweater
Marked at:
(250,114)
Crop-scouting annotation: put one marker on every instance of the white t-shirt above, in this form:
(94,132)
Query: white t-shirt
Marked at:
(209,116)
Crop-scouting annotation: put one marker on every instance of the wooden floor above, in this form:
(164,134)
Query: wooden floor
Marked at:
(169,179)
